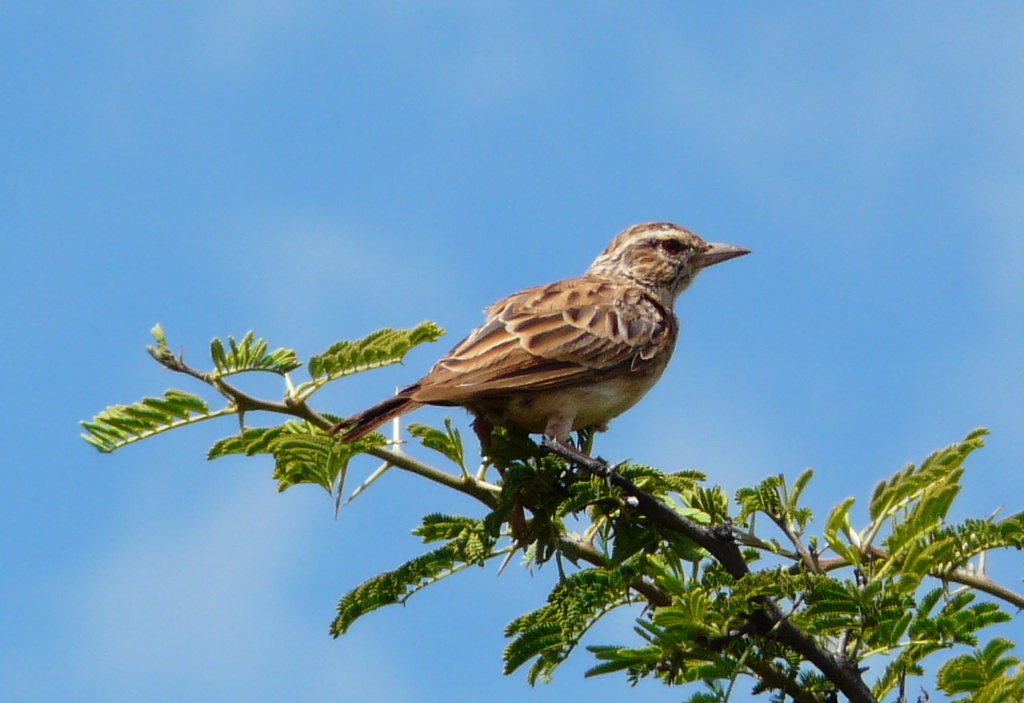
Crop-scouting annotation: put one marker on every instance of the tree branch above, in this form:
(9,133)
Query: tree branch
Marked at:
(720,542)
(485,492)
(584,552)
(964,578)
(983,583)
(777,680)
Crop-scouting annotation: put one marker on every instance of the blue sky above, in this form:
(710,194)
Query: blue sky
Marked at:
(315,170)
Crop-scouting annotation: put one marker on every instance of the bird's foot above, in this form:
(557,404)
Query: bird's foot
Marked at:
(594,465)
(566,450)
(517,522)
(483,430)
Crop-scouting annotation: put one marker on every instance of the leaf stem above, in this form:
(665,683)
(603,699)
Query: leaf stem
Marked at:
(296,406)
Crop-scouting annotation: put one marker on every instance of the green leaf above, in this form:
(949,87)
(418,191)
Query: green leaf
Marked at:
(915,544)
(837,527)
(251,354)
(798,488)
(252,441)
(438,526)
(832,606)
(120,425)
(660,484)
(448,443)
(381,348)
(637,660)
(713,502)
(762,498)
(972,537)
(985,673)
(958,622)
(303,453)
(511,446)
(468,544)
(890,495)
(551,632)
(302,457)
(394,586)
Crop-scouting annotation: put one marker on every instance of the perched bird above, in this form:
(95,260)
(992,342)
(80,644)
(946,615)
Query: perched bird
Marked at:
(570,354)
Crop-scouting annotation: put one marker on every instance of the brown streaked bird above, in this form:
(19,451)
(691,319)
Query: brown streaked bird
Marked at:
(571,354)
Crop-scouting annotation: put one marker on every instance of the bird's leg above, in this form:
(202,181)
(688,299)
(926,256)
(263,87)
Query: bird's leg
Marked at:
(565,449)
(557,433)
(597,466)
(558,429)
(482,428)
(517,522)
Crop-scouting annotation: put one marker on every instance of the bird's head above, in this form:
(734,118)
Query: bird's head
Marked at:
(661,257)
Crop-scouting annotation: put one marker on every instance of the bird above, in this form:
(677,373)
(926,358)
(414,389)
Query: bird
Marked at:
(568,355)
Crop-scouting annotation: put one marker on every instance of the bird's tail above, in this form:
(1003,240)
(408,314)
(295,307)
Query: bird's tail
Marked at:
(362,424)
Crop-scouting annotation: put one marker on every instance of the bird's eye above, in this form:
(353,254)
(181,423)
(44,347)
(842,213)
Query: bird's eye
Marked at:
(672,246)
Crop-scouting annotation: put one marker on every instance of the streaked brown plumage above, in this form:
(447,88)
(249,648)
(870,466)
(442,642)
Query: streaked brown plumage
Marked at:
(570,354)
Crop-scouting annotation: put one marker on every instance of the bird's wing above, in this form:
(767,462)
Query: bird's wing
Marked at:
(552,336)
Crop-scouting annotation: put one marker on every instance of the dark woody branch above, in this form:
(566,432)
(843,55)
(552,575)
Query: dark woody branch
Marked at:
(719,541)
(658,598)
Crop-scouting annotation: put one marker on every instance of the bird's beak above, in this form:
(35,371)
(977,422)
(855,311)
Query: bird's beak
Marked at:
(717,253)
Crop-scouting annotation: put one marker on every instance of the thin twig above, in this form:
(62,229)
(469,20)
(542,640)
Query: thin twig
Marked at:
(485,492)
(961,576)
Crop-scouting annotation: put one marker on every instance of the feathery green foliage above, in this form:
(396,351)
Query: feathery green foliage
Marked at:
(879,611)
(467,543)
(550,633)
(774,499)
(958,622)
(120,425)
(878,598)
(302,453)
(251,354)
(985,675)
(448,442)
(381,348)
(940,466)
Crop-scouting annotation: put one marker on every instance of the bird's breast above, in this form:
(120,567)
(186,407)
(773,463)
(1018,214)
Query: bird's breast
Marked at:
(582,405)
